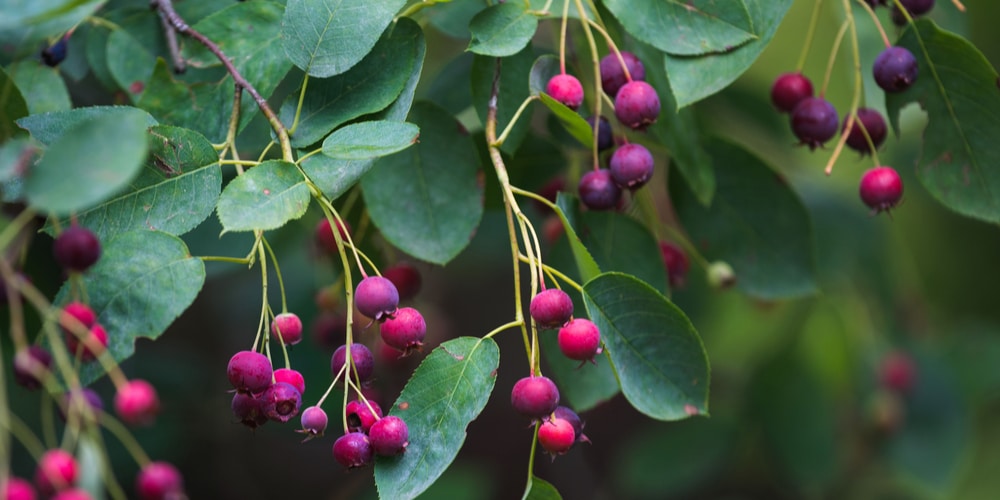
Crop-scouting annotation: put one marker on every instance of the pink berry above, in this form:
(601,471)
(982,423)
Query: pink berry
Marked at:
(353,450)
(292,377)
(580,339)
(551,308)
(676,263)
(18,489)
(565,89)
(556,436)
(637,106)
(790,89)
(898,372)
(360,417)
(97,343)
(376,297)
(535,397)
(570,416)
(631,166)
(613,76)
(870,121)
(389,436)
(76,249)
(77,311)
(250,371)
(30,366)
(249,409)
(159,481)
(405,331)
(814,121)
(137,403)
(598,190)
(281,402)
(406,278)
(325,238)
(72,494)
(287,327)
(314,422)
(881,188)
(364,362)
(57,470)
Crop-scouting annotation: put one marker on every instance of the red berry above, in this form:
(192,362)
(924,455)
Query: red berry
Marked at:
(376,297)
(551,308)
(314,422)
(30,365)
(249,410)
(18,489)
(389,436)
(580,339)
(557,436)
(72,494)
(57,470)
(898,372)
(895,69)
(613,76)
(870,121)
(76,249)
(77,311)
(287,327)
(637,105)
(406,278)
(290,377)
(631,166)
(790,89)
(137,403)
(570,416)
(676,263)
(405,331)
(598,190)
(281,402)
(814,121)
(535,397)
(360,417)
(250,371)
(363,360)
(881,188)
(97,343)
(353,450)
(565,89)
(325,238)
(159,481)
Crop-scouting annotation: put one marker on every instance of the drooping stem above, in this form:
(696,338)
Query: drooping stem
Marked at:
(813,20)
(833,57)
(878,24)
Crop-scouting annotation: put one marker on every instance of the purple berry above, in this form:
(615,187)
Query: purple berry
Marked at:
(814,121)
(314,422)
(565,89)
(76,249)
(580,339)
(895,69)
(605,138)
(30,365)
(867,120)
(598,190)
(363,360)
(551,308)
(557,436)
(137,403)
(249,410)
(535,397)
(881,188)
(353,450)
(91,403)
(281,402)
(376,297)
(287,327)
(916,8)
(790,89)
(250,371)
(291,377)
(159,481)
(676,263)
(637,106)
(631,166)
(55,53)
(389,436)
(406,278)
(613,76)
(360,417)
(405,331)
(570,416)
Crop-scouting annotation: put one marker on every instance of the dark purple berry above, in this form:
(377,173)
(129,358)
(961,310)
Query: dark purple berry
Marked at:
(376,297)
(55,53)
(249,410)
(287,327)
(250,371)
(637,106)
(353,450)
(916,8)
(30,366)
(281,402)
(676,263)
(565,89)
(789,89)
(137,402)
(76,249)
(881,188)
(314,422)
(406,278)
(895,69)
(580,339)
(570,416)
(405,331)
(363,360)
(159,481)
(605,139)
(814,121)
(551,308)
(292,377)
(359,417)
(598,190)
(535,397)
(389,436)
(867,120)
(631,166)
(613,76)
(557,436)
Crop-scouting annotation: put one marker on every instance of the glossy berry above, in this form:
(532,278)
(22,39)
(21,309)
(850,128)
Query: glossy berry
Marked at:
(77,311)
(250,372)
(897,372)
(81,404)
(406,278)
(76,249)
(353,450)
(55,53)
(895,69)
(565,89)
(30,365)
(535,397)
(881,188)
(249,410)
(359,417)
(613,76)
(631,166)
(570,416)
(281,402)
(325,238)
(56,470)
(551,308)
(17,489)
(314,422)
(405,331)
(814,121)
(557,436)
(872,122)
(96,343)
(389,436)
(789,90)
(159,481)
(363,360)
(288,327)
(137,403)
(598,190)
(580,339)
(605,138)
(376,297)
(637,106)
(292,377)
(916,8)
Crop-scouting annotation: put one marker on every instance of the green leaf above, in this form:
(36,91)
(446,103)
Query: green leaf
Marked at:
(695,78)
(15,155)
(46,128)
(369,86)
(44,89)
(26,24)
(142,283)
(178,103)
(660,360)
(686,28)
(540,489)
(502,30)
(265,197)
(334,177)
(756,223)
(542,70)
(957,87)
(363,140)
(513,92)
(12,106)
(568,214)
(130,63)
(399,109)
(90,162)
(620,243)
(446,392)
(426,200)
(327,37)
(574,123)
(96,49)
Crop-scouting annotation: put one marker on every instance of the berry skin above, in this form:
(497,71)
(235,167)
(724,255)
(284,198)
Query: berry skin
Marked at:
(30,364)
(55,53)
(405,331)
(535,397)
(897,372)
(18,489)
(97,338)
(250,372)
(80,312)
(353,450)
(288,327)
(363,360)
(406,278)
(551,308)
(872,122)
(565,89)
(290,377)
(789,90)
(676,263)
(137,403)
(895,69)
(249,410)
(598,190)
(376,297)
(631,166)
(613,76)
(881,189)
(281,402)
(314,422)
(359,417)
(570,416)
(389,436)
(557,436)
(57,470)
(76,249)
(916,8)
(605,139)
(325,238)
(814,121)
(580,339)
(637,106)
(159,481)
(72,494)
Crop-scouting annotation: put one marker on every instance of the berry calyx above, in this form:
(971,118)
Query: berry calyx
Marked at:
(631,166)
(249,372)
(359,417)
(137,403)
(57,470)
(676,263)
(364,362)
(557,436)
(613,76)
(814,121)
(565,89)
(897,372)
(605,138)
(353,450)
(405,331)
(17,489)
(314,422)
(389,436)
(96,343)
(292,377)
(249,410)
(287,327)
(872,122)
(376,297)
(789,90)
(76,249)
(636,105)
(281,402)
(30,366)
(325,238)
(55,53)
(598,190)
(881,189)
(406,278)
(535,397)
(159,481)
(895,69)
(580,339)
(551,308)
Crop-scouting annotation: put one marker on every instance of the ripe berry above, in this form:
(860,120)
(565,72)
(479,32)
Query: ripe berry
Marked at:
(676,263)
(814,121)
(605,139)
(17,489)
(405,277)
(872,122)
(565,89)
(364,362)
(897,372)
(325,238)
(895,69)
(535,397)
(76,249)
(359,417)
(613,76)
(83,404)
(137,403)
(97,343)
(570,416)
(30,365)
(580,339)
(389,436)
(55,53)
(72,494)
(376,297)
(405,331)
(288,327)
(557,436)
(353,450)
(57,470)
(790,89)
(159,481)
(281,402)
(916,8)
(637,105)
(551,308)
(292,377)
(313,422)
(250,371)
(598,190)
(77,311)
(881,188)
(249,410)
(631,166)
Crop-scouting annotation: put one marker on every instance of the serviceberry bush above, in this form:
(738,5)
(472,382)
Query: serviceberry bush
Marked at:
(333,199)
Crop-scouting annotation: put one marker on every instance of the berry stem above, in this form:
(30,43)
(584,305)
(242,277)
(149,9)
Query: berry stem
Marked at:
(115,427)
(856,98)
(810,35)
(505,326)
(262,330)
(555,273)
(875,20)
(562,37)
(13,424)
(277,273)
(531,458)
(958,5)
(517,114)
(234,125)
(332,385)
(298,106)
(903,10)
(596,64)
(833,57)
(612,47)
